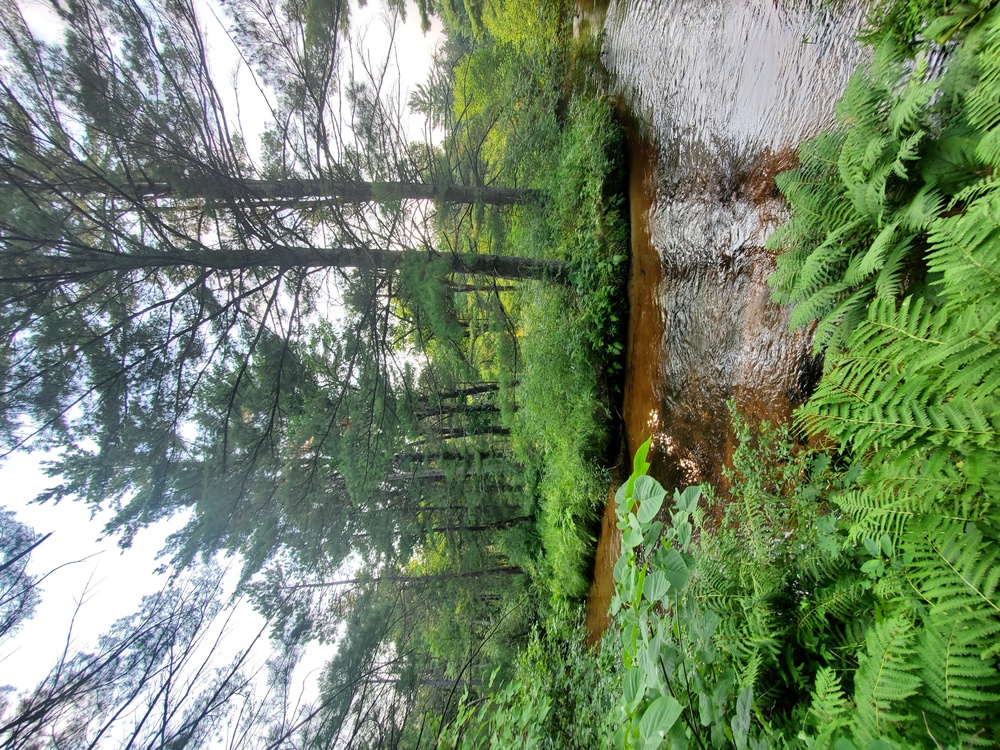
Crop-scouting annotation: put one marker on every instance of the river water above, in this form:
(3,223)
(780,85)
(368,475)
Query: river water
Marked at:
(720,92)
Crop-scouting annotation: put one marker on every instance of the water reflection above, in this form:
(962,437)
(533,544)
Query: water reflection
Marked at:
(722,92)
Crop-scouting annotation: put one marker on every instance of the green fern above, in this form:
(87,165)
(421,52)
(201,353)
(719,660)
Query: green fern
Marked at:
(962,690)
(828,712)
(886,679)
(893,250)
(958,571)
(864,197)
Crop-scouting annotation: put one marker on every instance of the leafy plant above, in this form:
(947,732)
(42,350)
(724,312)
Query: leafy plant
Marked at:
(677,685)
(894,248)
(560,696)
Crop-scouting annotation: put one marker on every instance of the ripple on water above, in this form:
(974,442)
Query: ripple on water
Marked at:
(722,91)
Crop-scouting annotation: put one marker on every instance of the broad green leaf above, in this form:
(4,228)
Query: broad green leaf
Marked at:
(655,586)
(684,534)
(678,737)
(650,495)
(670,658)
(705,709)
(639,583)
(621,565)
(648,661)
(631,538)
(688,500)
(628,585)
(634,688)
(724,688)
(670,561)
(657,720)
(741,722)
(872,547)
(886,544)
(616,604)
(620,498)
(651,536)
(639,464)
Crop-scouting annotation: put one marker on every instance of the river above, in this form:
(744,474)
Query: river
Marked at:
(719,93)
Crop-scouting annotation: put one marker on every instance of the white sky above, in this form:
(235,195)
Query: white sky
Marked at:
(113,580)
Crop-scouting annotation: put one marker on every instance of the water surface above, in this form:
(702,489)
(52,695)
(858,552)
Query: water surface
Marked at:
(720,92)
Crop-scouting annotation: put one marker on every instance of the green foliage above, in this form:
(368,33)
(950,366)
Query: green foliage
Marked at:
(678,684)
(894,248)
(571,150)
(590,230)
(909,150)
(568,358)
(768,628)
(561,696)
(558,425)
(917,23)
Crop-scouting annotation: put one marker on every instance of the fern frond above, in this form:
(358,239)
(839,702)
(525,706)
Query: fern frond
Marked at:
(874,259)
(909,109)
(877,509)
(908,151)
(989,148)
(958,572)
(886,678)
(926,206)
(960,700)
(828,711)
(966,248)
(843,601)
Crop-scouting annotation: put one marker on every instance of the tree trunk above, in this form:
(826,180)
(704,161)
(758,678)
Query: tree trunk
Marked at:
(442,473)
(492,526)
(507,570)
(455,408)
(40,268)
(472,390)
(420,457)
(451,433)
(469,288)
(340,191)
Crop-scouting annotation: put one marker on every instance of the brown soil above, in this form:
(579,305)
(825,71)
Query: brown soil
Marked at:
(641,401)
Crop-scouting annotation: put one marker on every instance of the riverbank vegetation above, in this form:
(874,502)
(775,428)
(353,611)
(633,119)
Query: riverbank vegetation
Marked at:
(845,595)
(851,599)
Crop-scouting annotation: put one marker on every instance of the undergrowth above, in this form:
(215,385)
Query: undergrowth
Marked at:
(850,599)
(571,343)
(562,696)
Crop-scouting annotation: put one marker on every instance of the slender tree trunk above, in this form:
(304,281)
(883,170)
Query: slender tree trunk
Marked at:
(442,473)
(419,457)
(450,433)
(340,191)
(42,268)
(472,390)
(493,526)
(469,288)
(24,552)
(455,408)
(507,570)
